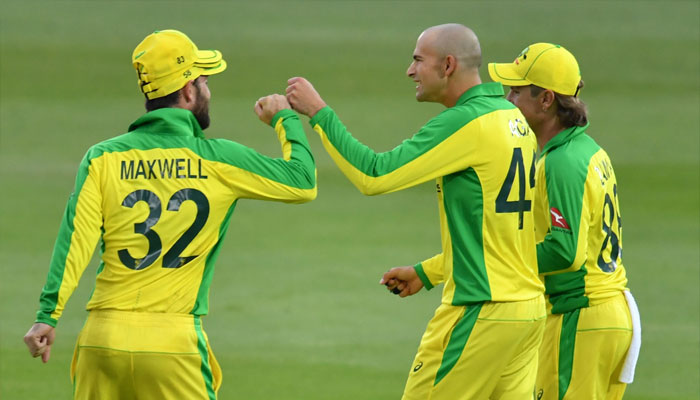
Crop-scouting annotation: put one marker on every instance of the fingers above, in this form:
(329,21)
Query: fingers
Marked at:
(389,275)
(46,354)
(39,340)
(402,281)
(395,286)
(36,345)
(266,107)
(295,79)
(258,107)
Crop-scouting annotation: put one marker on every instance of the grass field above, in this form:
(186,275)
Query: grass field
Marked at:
(296,311)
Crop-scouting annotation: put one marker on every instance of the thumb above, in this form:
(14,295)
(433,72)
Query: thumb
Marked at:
(388,275)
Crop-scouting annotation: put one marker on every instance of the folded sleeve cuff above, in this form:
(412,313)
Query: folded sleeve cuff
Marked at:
(45,319)
(423,277)
(320,115)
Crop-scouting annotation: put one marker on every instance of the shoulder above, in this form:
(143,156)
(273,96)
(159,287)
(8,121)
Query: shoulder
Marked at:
(115,144)
(475,109)
(575,154)
(225,151)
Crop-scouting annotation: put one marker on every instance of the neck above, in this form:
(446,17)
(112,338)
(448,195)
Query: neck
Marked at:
(547,130)
(456,89)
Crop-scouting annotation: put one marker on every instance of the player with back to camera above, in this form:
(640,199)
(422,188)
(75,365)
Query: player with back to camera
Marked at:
(483,340)
(159,199)
(589,350)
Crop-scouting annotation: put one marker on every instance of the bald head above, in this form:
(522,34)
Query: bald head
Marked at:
(445,63)
(456,40)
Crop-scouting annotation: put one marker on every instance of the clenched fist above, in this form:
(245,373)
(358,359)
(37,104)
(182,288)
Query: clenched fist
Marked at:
(266,107)
(303,97)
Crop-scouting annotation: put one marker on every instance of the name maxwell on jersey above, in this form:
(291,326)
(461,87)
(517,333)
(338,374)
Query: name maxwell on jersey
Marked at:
(178,168)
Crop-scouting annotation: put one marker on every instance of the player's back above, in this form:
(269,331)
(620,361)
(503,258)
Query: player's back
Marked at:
(166,197)
(594,216)
(488,207)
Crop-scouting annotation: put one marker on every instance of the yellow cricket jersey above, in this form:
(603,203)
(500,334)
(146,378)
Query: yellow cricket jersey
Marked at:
(159,199)
(481,152)
(578,223)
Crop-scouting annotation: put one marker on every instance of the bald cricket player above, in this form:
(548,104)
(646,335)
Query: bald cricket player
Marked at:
(483,340)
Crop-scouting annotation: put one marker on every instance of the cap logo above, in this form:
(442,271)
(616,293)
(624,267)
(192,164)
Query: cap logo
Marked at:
(187,74)
(522,54)
(180,59)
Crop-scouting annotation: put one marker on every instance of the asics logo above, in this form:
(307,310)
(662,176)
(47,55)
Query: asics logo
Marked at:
(418,366)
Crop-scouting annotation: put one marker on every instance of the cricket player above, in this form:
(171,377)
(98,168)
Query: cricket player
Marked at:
(483,340)
(158,199)
(589,349)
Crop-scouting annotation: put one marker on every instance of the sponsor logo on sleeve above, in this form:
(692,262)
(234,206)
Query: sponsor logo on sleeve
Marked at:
(558,219)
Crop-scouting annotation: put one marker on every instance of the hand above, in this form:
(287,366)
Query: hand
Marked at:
(303,97)
(403,281)
(39,340)
(266,107)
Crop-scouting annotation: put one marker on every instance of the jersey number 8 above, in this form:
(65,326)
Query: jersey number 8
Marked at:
(612,238)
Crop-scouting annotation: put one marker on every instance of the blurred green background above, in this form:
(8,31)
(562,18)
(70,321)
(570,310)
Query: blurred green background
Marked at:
(296,309)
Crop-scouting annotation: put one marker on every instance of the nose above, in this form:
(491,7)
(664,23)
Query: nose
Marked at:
(511,97)
(411,71)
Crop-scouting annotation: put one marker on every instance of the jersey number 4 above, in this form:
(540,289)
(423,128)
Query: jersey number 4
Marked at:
(172,258)
(503,205)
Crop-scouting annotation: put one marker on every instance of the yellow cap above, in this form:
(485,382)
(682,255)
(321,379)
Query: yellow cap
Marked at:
(546,65)
(166,60)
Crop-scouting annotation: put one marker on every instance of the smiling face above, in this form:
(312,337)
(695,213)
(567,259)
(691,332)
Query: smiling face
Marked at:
(427,70)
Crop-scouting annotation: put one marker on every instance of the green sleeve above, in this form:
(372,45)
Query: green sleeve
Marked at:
(566,170)
(414,161)
(290,178)
(75,243)
(423,277)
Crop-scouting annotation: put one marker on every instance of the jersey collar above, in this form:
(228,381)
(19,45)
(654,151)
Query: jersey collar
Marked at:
(483,89)
(563,137)
(168,121)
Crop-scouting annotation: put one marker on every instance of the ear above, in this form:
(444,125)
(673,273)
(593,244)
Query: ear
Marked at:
(449,65)
(188,93)
(547,99)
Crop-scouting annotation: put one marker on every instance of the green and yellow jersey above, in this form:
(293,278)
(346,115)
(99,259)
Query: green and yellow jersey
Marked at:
(159,199)
(577,221)
(481,152)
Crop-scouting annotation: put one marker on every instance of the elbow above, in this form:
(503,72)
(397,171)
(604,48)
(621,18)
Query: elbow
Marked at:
(305,196)
(369,189)
(310,194)
(556,259)
(561,264)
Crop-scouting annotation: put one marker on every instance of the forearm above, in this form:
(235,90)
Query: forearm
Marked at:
(428,154)
(295,149)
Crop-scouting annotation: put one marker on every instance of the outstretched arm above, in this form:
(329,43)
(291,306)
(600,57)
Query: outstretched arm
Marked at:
(290,178)
(427,155)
